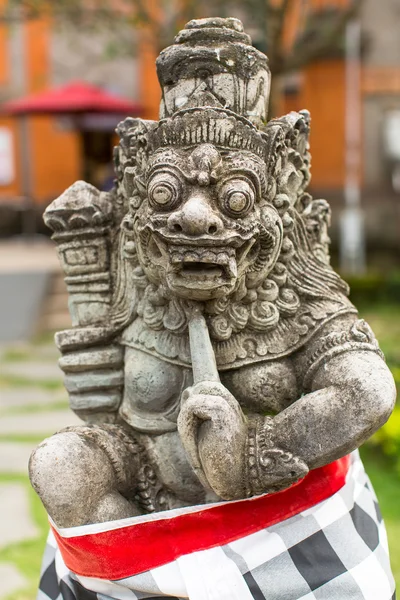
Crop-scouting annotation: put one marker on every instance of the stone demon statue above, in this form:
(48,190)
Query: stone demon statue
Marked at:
(214,354)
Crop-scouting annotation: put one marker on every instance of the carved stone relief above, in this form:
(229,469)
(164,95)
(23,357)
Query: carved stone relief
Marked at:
(213,350)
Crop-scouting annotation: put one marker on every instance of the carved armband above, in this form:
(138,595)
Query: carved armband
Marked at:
(359,337)
(269,468)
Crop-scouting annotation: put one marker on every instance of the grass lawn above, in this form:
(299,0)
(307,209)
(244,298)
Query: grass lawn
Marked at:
(27,555)
(385,322)
(386,483)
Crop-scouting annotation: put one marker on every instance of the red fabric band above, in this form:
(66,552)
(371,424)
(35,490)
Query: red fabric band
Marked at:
(131,549)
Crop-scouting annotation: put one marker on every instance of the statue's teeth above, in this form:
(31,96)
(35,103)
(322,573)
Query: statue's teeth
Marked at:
(222,258)
(176,257)
(208,257)
(233,267)
(191,257)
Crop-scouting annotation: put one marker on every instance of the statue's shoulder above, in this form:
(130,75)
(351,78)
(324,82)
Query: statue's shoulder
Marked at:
(342,334)
(291,334)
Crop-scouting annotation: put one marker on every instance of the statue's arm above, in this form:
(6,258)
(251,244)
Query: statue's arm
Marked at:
(350,395)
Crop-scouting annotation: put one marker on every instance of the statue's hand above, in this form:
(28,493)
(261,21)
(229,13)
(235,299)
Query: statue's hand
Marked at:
(94,380)
(213,430)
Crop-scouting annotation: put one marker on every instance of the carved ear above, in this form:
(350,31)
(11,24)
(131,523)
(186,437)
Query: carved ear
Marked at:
(270,244)
(291,182)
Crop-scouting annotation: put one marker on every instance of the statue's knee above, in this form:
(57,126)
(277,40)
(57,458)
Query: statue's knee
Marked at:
(70,474)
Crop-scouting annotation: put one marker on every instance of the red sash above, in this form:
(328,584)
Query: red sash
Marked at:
(120,549)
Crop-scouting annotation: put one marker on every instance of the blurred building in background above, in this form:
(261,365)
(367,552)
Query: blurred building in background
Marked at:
(39,54)
(321,88)
(35,56)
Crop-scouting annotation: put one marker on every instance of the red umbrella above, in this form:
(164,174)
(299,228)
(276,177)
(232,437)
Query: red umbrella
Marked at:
(77,100)
(75,97)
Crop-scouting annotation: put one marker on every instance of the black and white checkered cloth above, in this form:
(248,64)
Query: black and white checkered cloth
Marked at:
(336,550)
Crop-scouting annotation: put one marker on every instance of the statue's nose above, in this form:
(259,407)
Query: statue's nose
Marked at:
(196,217)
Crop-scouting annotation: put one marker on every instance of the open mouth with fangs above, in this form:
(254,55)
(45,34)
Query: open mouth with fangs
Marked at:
(201,269)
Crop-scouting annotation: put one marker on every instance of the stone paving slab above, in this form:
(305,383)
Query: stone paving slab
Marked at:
(28,396)
(21,255)
(43,424)
(11,580)
(14,456)
(16,523)
(32,370)
(27,351)
(21,299)
(46,352)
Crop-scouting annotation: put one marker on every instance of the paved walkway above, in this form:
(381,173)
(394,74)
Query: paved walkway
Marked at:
(33,405)
(27,269)
(19,255)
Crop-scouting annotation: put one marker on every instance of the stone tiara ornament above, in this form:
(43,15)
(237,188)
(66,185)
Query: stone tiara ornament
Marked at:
(221,127)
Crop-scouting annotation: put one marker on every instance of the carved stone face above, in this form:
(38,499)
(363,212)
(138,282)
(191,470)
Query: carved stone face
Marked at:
(202,225)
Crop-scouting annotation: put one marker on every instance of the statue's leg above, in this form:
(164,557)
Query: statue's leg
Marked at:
(87,474)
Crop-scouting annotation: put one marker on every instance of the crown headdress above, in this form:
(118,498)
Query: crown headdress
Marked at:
(212,63)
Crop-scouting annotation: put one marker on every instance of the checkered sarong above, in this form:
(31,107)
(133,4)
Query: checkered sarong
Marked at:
(335,550)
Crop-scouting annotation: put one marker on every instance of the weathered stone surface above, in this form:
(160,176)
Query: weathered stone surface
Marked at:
(202,300)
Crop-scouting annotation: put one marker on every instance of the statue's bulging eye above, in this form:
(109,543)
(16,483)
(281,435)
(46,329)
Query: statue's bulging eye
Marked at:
(237,197)
(162,194)
(237,202)
(164,191)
